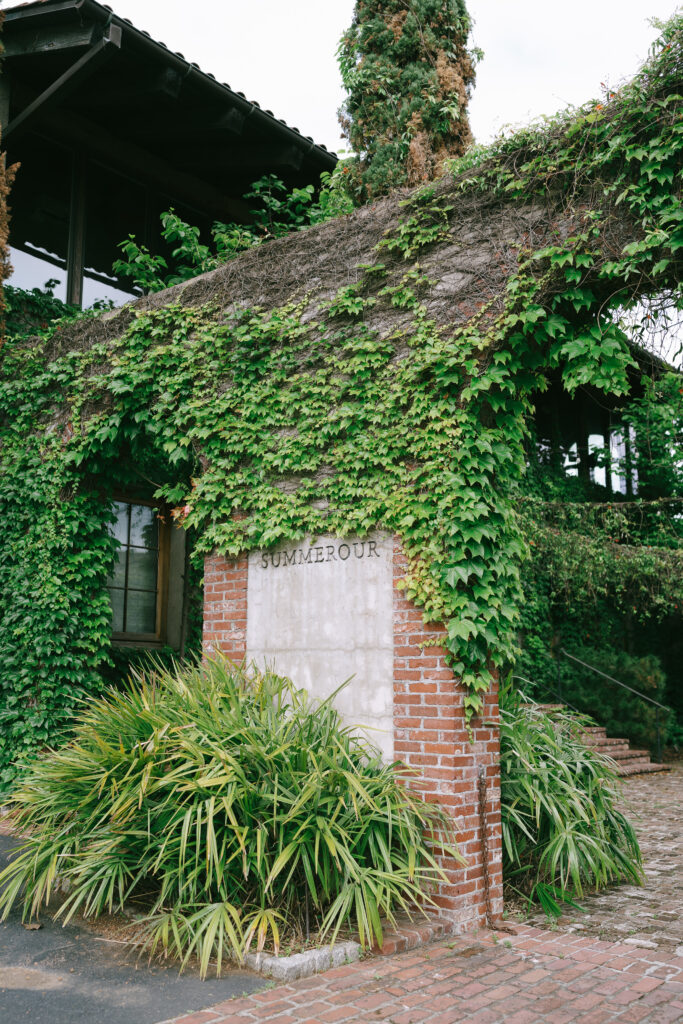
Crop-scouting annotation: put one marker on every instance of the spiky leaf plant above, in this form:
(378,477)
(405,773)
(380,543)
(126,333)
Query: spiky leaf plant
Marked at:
(231,806)
(562,830)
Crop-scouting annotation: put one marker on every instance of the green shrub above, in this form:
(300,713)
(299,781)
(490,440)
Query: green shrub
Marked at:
(274,211)
(562,832)
(232,806)
(33,311)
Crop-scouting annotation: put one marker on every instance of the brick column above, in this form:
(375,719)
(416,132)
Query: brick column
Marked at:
(429,730)
(225,606)
(430,735)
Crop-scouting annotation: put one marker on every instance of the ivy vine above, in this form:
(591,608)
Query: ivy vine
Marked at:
(266,426)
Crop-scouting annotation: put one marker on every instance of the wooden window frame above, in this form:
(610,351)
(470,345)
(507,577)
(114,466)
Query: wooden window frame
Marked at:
(158,638)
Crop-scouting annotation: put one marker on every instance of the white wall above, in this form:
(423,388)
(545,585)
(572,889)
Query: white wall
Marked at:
(320,611)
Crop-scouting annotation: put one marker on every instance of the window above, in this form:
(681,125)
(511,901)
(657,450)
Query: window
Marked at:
(147,584)
(136,585)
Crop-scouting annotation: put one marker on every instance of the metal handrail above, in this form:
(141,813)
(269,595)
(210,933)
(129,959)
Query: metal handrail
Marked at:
(624,686)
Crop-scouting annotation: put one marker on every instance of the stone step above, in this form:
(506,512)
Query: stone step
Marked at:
(616,753)
(633,762)
(629,755)
(606,746)
(647,768)
(627,761)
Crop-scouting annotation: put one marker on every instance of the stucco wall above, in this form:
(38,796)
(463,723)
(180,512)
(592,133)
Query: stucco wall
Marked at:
(320,612)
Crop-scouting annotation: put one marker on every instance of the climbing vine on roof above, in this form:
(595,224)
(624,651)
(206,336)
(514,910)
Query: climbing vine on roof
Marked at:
(341,413)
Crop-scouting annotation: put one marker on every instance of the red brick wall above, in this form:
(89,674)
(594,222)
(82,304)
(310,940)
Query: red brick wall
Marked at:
(225,606)
(429,729)
(430,735)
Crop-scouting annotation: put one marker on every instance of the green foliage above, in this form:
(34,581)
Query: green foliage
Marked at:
(657,423)
(408,75)
(606,577)
(33,311)
(226,803)
(56,551)
(621,712)
(271,425)
(55,613)
(275,211)
(562,832)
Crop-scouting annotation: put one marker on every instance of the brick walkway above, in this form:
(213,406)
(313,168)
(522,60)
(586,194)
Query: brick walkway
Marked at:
(621,962)
(650,916)
(535,976)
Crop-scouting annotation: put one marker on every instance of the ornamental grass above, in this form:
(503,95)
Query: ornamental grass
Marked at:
(563,833)
(234,810)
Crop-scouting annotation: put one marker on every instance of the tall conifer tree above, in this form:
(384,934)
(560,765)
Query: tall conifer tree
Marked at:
(408,74)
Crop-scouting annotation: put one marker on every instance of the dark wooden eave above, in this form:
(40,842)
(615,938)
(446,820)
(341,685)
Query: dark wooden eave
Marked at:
(87,87)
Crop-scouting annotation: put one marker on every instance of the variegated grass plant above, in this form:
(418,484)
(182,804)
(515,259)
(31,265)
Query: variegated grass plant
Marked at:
(232,807)
(563,833)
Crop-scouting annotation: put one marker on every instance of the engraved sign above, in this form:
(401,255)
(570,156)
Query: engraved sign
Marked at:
(320,611)
(336,551)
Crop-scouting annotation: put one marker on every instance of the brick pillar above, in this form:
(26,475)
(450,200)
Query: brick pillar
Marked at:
(225,606)
(429,730)
(430,735)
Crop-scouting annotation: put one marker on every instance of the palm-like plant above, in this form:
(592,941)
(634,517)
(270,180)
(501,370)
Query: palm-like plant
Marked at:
(232,806)
(562,830)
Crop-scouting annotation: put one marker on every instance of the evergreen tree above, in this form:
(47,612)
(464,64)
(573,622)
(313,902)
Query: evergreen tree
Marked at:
(408,75)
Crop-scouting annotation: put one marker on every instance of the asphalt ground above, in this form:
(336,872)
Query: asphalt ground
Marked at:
(69,975)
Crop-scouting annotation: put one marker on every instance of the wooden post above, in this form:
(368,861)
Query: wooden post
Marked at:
(76,249)
(4,99)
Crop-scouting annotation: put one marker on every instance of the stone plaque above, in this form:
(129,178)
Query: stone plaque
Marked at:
(321,611)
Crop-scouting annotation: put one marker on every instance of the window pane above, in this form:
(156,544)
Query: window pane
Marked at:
(596,446)
(141,614)
(116,597)
(118,573)
(119,529)
(143,526)
(142,569)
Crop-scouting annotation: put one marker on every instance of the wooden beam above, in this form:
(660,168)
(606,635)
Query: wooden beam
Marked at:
(27,11)
(4,99)
(70,80)
(92,275)
(38,40)
(139,165)
(75,259)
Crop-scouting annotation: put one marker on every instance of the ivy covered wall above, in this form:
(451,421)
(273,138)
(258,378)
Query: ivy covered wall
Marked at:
(379,370)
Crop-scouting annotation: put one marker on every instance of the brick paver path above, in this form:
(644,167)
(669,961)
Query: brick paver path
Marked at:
(536,976)
(650,916)
(621,962)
